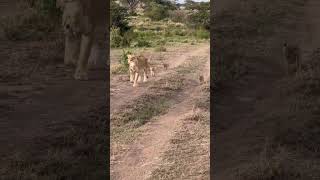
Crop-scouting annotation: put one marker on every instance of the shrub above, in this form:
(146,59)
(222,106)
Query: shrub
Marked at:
(127,38)
(115,37)
(202,34)
(178,16)
(180,32)
(157,11)
(119,17)
(141,42)
(200,16)
(124,58)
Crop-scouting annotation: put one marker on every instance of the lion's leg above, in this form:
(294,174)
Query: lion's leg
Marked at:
(139,78)
(85,49)
(131,75)
(135,82)
(72,48)
(152,72)
(145,78)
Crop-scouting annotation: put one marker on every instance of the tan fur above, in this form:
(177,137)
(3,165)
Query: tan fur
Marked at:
(80,20)
(292,57)
(166,66)
(139,64)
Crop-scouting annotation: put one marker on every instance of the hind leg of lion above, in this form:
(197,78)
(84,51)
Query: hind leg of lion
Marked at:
(85,49)
(71,53)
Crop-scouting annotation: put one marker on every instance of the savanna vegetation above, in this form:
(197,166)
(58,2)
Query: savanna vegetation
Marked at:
(156,24)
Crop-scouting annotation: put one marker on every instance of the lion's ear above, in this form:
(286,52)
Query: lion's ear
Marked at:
(60,4)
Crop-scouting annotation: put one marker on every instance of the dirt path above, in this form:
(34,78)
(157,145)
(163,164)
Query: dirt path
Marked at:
(122,91)
(144,154)
(236,110)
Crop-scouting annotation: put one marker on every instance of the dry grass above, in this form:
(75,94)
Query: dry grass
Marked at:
(125,122)
(279,163)
(242,34)
(76,152)
(188,156)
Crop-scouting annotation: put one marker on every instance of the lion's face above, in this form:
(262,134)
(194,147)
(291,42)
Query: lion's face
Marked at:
(131,59)
(71,19)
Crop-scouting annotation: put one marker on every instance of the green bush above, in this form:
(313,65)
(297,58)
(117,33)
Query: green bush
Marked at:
(180,32)
(124,58)
(202,34)
(115,38)
(200,17)
(178,16)
(157,12)
(119,17)
(128,38)
(141,42)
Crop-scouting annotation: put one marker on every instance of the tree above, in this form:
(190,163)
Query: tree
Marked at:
(132,4)
(119,17)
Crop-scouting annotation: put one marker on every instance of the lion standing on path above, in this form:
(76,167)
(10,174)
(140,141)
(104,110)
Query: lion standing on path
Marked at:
(138,65)
(79,20)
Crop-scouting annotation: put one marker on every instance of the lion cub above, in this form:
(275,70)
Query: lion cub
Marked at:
(292,55)
(166,66)
(201,79)
(138,64)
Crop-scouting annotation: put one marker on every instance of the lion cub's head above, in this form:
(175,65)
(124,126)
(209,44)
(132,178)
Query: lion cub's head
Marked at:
(132,61)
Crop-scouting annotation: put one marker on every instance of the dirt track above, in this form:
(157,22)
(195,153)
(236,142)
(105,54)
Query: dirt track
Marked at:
(144,154)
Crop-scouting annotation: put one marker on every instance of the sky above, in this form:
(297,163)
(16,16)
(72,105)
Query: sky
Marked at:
(182,1)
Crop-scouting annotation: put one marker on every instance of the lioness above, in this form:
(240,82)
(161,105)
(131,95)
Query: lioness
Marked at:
(80,20)
(138,65)
(292,57)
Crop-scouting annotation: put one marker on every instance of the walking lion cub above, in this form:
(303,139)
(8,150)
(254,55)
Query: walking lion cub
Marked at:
(139,64)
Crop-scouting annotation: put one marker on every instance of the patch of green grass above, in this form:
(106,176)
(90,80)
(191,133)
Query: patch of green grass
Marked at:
(144,109)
